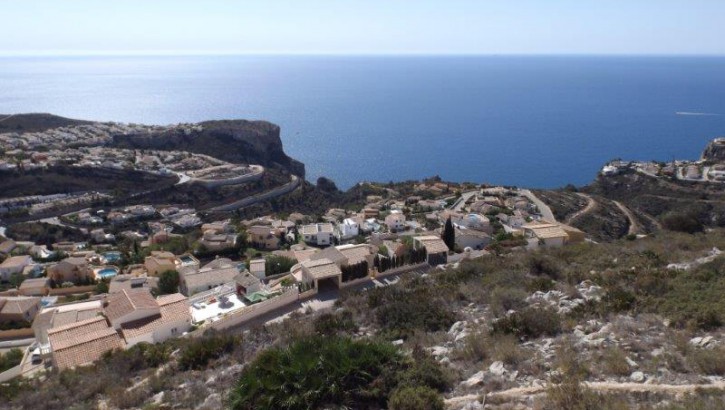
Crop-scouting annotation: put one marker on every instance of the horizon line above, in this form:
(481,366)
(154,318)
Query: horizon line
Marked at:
(221,53)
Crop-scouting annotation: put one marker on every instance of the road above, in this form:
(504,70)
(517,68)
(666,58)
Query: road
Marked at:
(461,202)
(604,387)
(544,209)
(634,228)
(279,191)
(591,204)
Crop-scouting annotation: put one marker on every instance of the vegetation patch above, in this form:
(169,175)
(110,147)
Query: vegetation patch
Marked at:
(316,371)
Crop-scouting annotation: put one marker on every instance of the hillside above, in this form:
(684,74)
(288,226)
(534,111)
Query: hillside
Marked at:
(607,326)
(236,141)
(35,122)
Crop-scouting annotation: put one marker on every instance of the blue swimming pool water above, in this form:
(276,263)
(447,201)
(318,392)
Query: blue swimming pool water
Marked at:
(107,272)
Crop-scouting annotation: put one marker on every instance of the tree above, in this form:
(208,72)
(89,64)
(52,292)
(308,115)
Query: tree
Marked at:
(169,282)
(449,234)
(16,279)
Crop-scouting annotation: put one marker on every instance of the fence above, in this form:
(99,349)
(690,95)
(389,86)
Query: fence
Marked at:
(71,290)
(13,334)
(248,313)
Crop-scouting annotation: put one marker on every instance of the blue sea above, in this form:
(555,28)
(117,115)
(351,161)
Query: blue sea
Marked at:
(520,120)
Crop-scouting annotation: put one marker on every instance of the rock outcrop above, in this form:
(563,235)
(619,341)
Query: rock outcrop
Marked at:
(237,141)
(715,150)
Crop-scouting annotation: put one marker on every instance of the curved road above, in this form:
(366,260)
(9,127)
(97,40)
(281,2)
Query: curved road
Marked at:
(591,204)
(282,190)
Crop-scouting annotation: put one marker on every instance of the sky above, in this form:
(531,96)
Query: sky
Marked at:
(670,27)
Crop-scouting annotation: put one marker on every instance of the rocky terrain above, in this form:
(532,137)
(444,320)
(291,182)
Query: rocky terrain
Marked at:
(628,324)
(236,141)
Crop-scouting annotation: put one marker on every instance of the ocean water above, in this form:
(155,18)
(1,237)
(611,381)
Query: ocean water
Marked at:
(530,121)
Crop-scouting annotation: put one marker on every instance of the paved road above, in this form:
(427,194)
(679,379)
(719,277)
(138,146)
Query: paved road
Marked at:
(458,205)
(544,209)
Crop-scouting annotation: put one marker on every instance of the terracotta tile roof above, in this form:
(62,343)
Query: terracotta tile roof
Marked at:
(34,284)
(322,268)
(304,254)
(201,278)
(432,244)
(173,308)
(82,342)
(355,253)
(546,230)
(18,305)
(332,254)
(16,261)
(127,301)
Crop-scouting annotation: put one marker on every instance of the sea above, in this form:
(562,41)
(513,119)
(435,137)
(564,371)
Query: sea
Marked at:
(534,121)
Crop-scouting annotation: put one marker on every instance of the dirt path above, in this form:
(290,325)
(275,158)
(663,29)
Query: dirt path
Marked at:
(520,392)
(590,206)
(634,227)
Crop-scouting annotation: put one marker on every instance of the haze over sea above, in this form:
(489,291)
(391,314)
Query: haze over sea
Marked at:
(541,121)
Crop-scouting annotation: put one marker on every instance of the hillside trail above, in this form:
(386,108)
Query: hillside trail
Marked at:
(634,227)
(628,387)
(590,206)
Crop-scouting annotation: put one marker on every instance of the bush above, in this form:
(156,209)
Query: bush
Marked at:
(199,352)
(168,282)
(709,361)
(400,311)
(10,359)
(333,323)
(529,323)
(416,398)
(682,223)
(322,372)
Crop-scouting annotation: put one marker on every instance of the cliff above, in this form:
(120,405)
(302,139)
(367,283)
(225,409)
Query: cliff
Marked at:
(715,150)
(238,141)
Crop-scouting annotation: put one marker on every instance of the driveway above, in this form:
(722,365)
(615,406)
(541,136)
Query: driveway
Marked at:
(544,209)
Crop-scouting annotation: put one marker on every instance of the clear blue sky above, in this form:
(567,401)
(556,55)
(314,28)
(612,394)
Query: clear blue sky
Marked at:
(363,26)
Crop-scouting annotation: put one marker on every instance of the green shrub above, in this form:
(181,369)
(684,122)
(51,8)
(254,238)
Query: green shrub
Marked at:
(709,361)
(529,323)
(682,223)
(416,398)
(402,310)
(615,362)
(324,371)
(12,358)
(333,323)
(199,352)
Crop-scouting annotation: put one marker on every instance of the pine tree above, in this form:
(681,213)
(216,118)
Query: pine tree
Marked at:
(449,234)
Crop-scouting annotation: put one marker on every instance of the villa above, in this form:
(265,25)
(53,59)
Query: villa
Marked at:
(82,342)
(395,221)
(213,274)
(319,234)
(316,271)
(18,309)
(436,249)
(14,265)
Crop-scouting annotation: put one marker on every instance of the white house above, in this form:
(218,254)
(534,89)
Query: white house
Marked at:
(349,228)
(318,234)
(141,318)
(395,221)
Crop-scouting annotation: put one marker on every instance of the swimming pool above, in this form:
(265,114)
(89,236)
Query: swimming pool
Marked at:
(107,272)
(112,257)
